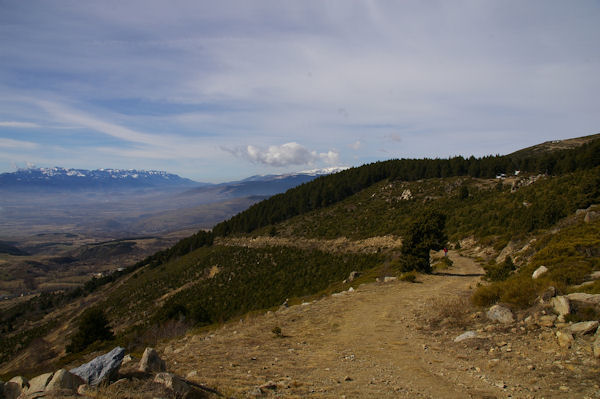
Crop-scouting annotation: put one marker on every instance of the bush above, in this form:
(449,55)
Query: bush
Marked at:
(499,272)
(410,277)
(486,295)
(93,326)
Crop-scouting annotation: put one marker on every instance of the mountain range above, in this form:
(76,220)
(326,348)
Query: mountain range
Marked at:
(58,178)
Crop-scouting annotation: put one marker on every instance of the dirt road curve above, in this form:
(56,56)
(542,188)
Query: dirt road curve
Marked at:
(383,340)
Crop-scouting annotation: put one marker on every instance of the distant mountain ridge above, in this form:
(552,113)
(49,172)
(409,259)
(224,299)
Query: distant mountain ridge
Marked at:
(67,178)
(263,185)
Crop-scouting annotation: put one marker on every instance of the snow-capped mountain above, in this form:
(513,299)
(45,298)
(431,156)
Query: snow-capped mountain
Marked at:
(66,178)
(308,174)
(264,185)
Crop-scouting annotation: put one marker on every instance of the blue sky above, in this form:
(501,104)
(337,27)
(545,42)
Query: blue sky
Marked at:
(217,91)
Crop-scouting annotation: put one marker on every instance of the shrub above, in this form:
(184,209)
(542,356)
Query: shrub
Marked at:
(277,331)
(486,295)
(410,277)
(499,272)
(93,326)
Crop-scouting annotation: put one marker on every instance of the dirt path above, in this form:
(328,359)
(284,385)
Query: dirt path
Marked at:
(381,341)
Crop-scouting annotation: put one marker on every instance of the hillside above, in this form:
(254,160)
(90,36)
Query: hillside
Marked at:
(303,244)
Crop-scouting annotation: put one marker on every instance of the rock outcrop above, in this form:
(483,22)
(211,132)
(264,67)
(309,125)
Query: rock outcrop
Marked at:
(500,314)
(584,327)
(539,271)
(102,368)
(172,382)
(561,305)
(64,380)
(15,386)
(38,384)
(151,362)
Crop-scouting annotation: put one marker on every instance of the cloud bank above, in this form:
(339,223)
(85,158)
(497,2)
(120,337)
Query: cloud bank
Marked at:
(284,155)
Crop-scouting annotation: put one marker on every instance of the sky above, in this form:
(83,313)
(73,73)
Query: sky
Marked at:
(217,91)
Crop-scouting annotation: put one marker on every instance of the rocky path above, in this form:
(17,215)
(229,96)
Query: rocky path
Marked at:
(392,340)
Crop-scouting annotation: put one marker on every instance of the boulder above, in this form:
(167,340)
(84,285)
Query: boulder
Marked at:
(102,368)
(591,216)
(561,305)
(38,384)
(584,327)
(539,271)
(151,362)
(466,335)
(387,279)
(15,386)
(584,299)
(565,338)
(547,320)
(64,380)
(595,275)
(172,382)
(501,314)
(127,359)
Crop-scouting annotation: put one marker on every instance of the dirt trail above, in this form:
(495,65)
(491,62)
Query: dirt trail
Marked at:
(379,342)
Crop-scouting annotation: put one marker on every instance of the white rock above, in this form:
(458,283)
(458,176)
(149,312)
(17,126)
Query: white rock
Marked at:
(561,305)
(172,382)
(62,379)
(586,299)
(547,320)
(350,289)
(151,361)
(466,335)
(565,338)
(539,271)
(584,327)
(38,384)
(501,314)
(387,279)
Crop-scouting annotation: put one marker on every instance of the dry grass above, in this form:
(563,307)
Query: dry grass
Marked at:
(453,312)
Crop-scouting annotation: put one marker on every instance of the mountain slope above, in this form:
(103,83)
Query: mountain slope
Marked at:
(201,280)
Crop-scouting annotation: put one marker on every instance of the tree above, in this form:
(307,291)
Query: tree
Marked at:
(93,326)
(424,234)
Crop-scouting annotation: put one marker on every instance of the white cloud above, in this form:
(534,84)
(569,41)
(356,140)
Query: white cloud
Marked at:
(284,155)
(23,125)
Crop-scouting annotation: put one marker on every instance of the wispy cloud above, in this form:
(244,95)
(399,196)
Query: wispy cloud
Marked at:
(68,115)
(284,155)
(17,144)
(21,125)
